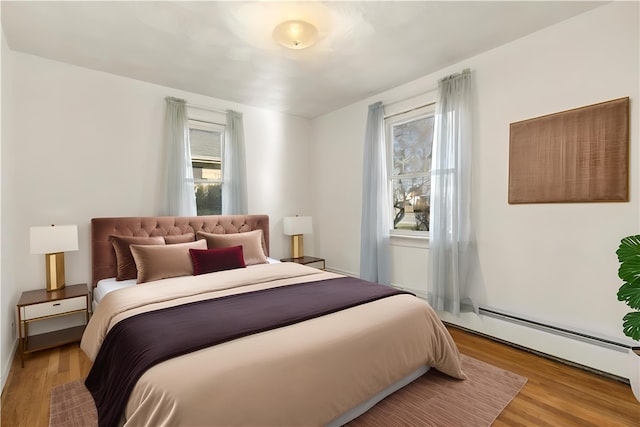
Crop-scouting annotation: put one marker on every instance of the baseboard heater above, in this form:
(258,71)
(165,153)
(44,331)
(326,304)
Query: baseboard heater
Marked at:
(580,336)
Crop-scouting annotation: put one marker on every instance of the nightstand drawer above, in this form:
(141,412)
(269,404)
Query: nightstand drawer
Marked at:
(52,308)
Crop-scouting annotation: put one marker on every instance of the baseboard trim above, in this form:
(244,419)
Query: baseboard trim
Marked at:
(586,337)
(541,354)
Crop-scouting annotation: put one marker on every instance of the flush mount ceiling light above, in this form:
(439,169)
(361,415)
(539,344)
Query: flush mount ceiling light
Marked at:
(295,34)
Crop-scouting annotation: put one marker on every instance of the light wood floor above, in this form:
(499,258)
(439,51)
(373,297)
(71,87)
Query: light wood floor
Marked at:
(555,394)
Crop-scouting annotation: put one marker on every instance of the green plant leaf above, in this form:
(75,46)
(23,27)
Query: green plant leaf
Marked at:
(630,294)
(629,256)
(629,248)
(629,271)
(631,325)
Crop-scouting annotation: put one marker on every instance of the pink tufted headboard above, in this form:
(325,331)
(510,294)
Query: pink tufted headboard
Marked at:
(103,258)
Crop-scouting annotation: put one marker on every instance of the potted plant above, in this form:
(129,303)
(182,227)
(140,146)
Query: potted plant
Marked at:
(629,256)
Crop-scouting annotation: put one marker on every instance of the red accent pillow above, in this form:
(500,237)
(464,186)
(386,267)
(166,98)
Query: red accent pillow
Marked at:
(210,260)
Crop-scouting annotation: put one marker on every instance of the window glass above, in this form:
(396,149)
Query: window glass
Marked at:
(410,143)
(206,142)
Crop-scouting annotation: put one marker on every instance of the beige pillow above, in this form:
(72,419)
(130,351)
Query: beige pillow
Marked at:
(251,242)
(162,262)
(125,265)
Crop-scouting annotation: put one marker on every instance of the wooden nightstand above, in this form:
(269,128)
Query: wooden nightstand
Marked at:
(39,305)
(305,260)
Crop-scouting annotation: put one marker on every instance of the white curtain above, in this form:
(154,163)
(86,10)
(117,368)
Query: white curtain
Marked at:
(451,234)
(180,199)
(234,189)
(374,240)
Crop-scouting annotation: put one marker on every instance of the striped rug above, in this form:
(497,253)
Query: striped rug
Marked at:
(432,400)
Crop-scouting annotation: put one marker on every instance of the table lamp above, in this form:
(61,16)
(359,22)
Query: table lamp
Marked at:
(296,227)
(53,241)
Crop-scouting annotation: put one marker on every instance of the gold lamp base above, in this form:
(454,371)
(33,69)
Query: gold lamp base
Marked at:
(297,246)
(55,271)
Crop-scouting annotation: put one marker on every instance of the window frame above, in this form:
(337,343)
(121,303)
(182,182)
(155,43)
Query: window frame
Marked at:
(206,126)
(412,114)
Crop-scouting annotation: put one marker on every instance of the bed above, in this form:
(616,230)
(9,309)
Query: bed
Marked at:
(321,370)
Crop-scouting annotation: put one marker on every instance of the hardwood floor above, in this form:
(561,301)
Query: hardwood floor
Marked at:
(555,394)
(26,395)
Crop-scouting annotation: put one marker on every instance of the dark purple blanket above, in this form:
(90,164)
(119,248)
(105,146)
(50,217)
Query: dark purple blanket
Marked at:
(136,344)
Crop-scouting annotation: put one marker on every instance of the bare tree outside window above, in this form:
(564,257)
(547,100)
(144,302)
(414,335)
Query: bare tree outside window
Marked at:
(411,146)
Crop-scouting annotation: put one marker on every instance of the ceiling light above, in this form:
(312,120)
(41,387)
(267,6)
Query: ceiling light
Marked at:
(295,34)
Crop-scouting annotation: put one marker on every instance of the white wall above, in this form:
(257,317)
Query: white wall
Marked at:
(550,262)
(7,287)
(88,144)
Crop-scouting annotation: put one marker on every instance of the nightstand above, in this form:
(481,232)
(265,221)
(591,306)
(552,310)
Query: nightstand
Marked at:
(38,305)
(305,260)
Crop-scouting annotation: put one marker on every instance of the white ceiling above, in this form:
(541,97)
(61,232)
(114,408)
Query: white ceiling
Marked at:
(225,49)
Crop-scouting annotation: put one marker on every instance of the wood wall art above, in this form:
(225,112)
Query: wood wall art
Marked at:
(579,155)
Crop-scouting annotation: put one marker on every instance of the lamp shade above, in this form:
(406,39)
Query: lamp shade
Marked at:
(53,239)
(294,225)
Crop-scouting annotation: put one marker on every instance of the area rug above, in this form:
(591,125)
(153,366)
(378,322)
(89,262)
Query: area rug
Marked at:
(432,400)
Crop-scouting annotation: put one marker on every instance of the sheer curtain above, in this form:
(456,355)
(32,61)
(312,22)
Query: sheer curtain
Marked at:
(234,190)
(374,240)
(451,233)
(180,198)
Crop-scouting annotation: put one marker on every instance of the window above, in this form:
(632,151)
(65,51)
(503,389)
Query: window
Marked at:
(206,141)
(410,141)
